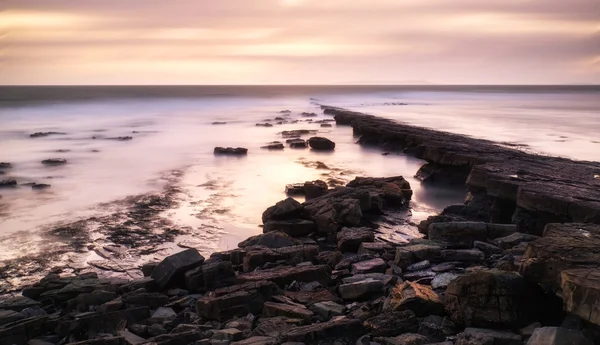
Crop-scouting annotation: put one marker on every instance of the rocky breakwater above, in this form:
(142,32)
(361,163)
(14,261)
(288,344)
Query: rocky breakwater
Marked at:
(505,185)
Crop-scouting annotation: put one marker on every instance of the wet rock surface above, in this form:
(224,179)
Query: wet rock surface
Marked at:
(230,151)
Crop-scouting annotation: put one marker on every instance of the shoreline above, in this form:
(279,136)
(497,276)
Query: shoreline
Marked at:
(319,274)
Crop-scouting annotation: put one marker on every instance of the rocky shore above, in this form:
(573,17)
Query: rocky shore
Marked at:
(516,264)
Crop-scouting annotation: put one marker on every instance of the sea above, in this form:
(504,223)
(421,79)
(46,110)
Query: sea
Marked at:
(171,129)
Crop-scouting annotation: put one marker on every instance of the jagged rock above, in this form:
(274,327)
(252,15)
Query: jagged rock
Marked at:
(327,309)
(238,151)
(292,227)
(436,328)
(463,255)
(392,323)
(54,161)
(458,234)
(336,328)
(309,298)
(283,210)
(173,267)
(394,191)
(491,298)
(273,239)
(284,275)
(558,336)
(237,300)
(563,246)
(321,144)
(330,212)
(482,336)
(420,299)
(349,239)
(361,289)
(514,239)
(384,278)
(581,293)
(164,313)
(487,248)
(271,309)
(406,339)
(257,257)
(443,280)
(376,265)
(419,266)
(315,189)
(409,254)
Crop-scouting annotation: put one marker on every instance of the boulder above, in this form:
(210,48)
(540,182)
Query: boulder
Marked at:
(237,300)
(283,210)
(409,254)
(336,328)
(349,239)
(482,336)
(271,309)
(558,336)
(297,143)
(376,265)
(581,293)
(284,275)
(420,299)
(238,151)
(315,189)
(292,227)
(54,161)
(361,289)
(5,165)
(174,267)
(273,239)
(563,246)
(211,275)
(495,299)
(392,323)
(294,189)
(321,144)
(458,234)
(463,255)
(331,213)
(394,191)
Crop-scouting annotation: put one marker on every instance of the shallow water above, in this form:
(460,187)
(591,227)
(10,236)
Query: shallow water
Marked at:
(222,198)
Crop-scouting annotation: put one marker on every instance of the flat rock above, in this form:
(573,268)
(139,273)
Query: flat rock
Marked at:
(336,328)
(350,239)
(472,336)
(174,266)
(375,248)
(233,151)
(271,309)
(420,299)
(361,289)
(237,300)
(558,336)
(487,248)
(376,265)
(258,340)
(443,280)
(406,339)
(8,316)
(327,309)
(54,161)
(458,234)
(231,334)
(463,255)
(412,253)
(581,293)
(274,239)
(285,275)
(392,323)
(514,239)
(16,303)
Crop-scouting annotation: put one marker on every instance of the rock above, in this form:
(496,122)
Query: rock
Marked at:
(481,336)
(328,309)
(463,255)
(443,267)
(419,266)
(276,145)
(92,324)
(486,248)
(292,227)
(231,334)
(110,306)
(581,293)
(273,239)
(309,298)
(264,125)
(393,323)
(329,212)
(164,313)
(294,189)
(384,278)
(315,189)
(237,300)
(297,133)
(39,186)
(271,309)
(274,327)
(174,266)
(379,248)
(211,275)
(563,247)
(54,161)
(84,301)
(8,316)
(361,289)
(156,329)
(458,234)
(285,275)
(393,191)
(283,210)
(349,239)
(130,338)
(239,151)
(443,280)
(514,239)
(558,336)
(257,257)
(376,265)
(409,254)
(5,165)
(326,125)
(148,268)
(16,303)
(336,328)
(406,339)
(321,144)
(297,143)
(219,123)
(436,328)
(45,134)
(9,183)
(257,341)
(421,299)
(496,299)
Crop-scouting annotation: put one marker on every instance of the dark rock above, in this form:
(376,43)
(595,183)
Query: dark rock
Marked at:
(219,123)
(148,268)
(54,161)
(257,341)
(273,239)
(376,265)
(45,134)
(84,301)
(475,336)
(9,183)
(174,267)
(264,125)
(8,316)
(164,313)
(326,125)
(321,144)
(581,293)
(422,265)
(409,254)
(92,324)
(458,234)
(101,341)
(463,255)
(297,143)
(39,186)
(394,191)
(393,323)
(309,298)
(231,334)
(443,267)
(331,213)
(285,275)
(514,239)
(443,280)
(237,300)
(421,299)
(436,328)
(150,300)
(274,327)
(209,276)
(406,339)
(297,133)
(20,331)
(276,145)
(494,299)
(328,309)
(425,276)
(283,210)
(360,290)
(379,248)
(349,239)
(315,189)
(294,189)
(336,328)
(558,336)
(486,248)
(305,114)
(16,303)
(5,165)
(292,227)
(271,309)
(239,151)
(257,257)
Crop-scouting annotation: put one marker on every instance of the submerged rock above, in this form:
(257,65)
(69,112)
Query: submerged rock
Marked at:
(9,183)
(40,186)
(276,145)
(297,143)
(4,165)
(230,151)
(321,144)
(45,134)
(54,161)
(219,123)
(264,125)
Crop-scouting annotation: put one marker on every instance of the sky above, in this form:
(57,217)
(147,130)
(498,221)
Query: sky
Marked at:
(85,42)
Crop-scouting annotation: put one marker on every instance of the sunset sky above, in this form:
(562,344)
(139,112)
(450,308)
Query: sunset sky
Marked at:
(299,41)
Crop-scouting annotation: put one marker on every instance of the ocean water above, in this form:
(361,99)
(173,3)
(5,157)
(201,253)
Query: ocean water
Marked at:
(172,130)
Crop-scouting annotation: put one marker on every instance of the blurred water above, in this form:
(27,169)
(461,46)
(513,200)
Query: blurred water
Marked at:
(173,131)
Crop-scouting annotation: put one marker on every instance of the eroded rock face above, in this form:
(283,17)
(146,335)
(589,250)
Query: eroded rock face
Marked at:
(492,298)
(581,293)
(563,246)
